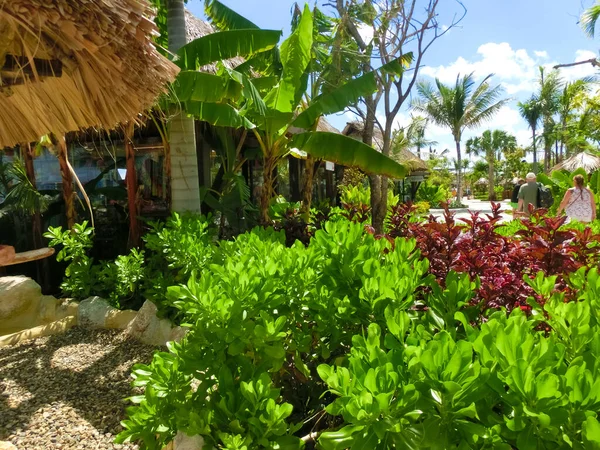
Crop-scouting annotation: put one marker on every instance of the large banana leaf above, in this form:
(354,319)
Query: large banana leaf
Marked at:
(348,152)
(349,93)
(249,90)
(218,114)
(224,18)
(337,100)
(296,52)
(225,45)
(205,87)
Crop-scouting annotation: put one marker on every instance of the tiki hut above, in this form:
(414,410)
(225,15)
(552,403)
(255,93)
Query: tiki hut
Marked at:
(586,161)
(69,65)
(417,168)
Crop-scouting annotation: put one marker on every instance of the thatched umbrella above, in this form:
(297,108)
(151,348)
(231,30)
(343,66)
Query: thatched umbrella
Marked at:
(69,65)
(583,160)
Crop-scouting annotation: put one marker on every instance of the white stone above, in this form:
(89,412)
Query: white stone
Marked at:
(148,328)
(7,446)
(17,295)
(92,312)
(47,311)
(184,442)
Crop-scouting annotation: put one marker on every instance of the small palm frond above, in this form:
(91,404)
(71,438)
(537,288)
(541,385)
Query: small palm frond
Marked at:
(23,196)
(589,19)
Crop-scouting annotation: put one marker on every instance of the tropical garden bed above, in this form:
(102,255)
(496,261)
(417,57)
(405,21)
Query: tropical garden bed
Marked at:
(433,335)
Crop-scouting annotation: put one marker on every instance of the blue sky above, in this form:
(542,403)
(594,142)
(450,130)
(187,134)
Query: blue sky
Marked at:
(509,38)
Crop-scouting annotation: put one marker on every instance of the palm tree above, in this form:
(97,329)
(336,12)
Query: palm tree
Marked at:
(531,111)
(412,136)
(459,107)
(550,86)
(589,19)
(491,143)
(570,99)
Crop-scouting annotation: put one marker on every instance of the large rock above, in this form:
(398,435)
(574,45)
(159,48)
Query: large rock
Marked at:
(93,311)
(47,311)
(20,299)
(148,328)
(184,442)
(119,319)
(178,333)
(7,446)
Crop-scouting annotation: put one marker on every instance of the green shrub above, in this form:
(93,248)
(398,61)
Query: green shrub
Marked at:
(350,338)
(173,251)
(118,281)
(433,194)
(422,208)
(266,313)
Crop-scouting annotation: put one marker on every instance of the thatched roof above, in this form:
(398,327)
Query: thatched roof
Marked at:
(406,157)
(67,65)
(582,160)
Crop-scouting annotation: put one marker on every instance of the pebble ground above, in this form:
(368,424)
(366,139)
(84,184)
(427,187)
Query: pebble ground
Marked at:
(66,391)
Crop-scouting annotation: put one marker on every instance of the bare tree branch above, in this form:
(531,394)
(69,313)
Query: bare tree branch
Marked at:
(593,61)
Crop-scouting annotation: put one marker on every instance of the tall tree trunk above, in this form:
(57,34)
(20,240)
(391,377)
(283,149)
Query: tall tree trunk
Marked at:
(132,187)
(176,24)
(185,193)
(67,182)
(307,188)
(374,180)
(547,150)
(267,191)
(459,187)
(491,181)
(380,211)
(535,163)
(42,267)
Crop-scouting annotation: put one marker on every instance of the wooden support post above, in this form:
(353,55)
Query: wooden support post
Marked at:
(132,186)
(67,182)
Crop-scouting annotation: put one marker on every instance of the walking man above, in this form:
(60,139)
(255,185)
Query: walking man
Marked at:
(528,195)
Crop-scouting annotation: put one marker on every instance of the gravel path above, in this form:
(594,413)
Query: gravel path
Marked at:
(65,391)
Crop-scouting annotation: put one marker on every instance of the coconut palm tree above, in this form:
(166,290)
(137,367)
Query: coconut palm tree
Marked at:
(531,111)
(570,100)
(550,86)
(491,144)
(459,107)
(412,137)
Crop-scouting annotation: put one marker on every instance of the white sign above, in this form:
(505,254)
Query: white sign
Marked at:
(329,166)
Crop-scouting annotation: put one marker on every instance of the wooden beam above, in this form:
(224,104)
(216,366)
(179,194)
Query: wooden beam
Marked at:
(43,67)
(132,186)
(67,182)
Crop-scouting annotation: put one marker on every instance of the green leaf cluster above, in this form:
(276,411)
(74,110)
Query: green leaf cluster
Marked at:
(262,317)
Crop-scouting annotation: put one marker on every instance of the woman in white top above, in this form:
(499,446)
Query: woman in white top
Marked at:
(578,202)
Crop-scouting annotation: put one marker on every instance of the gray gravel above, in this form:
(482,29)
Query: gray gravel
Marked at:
(66,391)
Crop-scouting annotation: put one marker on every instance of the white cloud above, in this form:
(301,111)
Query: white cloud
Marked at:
(516,70)
(494,58)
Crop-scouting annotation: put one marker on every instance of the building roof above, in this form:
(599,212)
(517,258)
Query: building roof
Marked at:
(406,157)
(70,65)
(583,160)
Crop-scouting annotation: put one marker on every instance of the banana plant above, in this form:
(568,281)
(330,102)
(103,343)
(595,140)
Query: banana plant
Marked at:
(272,107)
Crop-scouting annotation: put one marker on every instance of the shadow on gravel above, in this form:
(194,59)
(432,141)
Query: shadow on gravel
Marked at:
(86,370)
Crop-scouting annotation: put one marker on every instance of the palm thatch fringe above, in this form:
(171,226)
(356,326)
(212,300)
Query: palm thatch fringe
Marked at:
(67,65)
